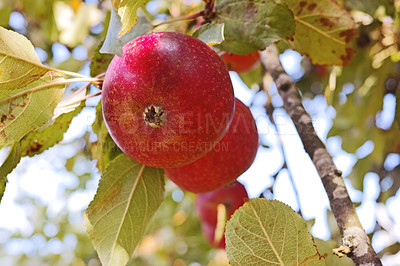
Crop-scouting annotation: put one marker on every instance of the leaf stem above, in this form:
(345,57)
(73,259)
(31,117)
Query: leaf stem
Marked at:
(67,81)
(192,17)
(80,100)
(84,87)
(68,73)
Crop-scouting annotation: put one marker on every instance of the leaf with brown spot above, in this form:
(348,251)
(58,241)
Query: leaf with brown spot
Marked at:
(324,30)
(26,113)
(42,139)
(19,63)
(253,25)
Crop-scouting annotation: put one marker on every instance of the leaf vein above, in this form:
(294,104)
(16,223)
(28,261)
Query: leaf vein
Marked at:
(266,235)
(312,27)
(126,209)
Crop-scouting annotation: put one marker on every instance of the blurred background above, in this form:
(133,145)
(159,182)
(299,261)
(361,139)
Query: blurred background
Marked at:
(353,110)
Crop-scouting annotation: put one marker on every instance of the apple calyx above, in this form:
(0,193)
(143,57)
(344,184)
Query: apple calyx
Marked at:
(154,116)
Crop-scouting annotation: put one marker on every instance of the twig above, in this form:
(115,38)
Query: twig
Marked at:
(81,99)
(192,17)
(99,85)
(51,84)
(354,237)
(39,65)
(269,108)
(207,14)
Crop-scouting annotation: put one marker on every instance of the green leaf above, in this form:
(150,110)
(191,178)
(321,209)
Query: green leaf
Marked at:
(113,43)
(40,140)
(99,62)
(28,112)
(19,63)
(267,232)
(252,77)
(252,25)
(5,12)
(371,6)
(325,249)
(210,33)
(128,195)
(127,11)
(104,149)
(9,164)
(322,23)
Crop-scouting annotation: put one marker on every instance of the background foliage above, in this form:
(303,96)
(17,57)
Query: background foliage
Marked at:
(363,95)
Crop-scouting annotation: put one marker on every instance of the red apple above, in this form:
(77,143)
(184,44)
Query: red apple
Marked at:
(231,157)
(209,234)
(321,70)
(241,63)
(232,196)
(168,100)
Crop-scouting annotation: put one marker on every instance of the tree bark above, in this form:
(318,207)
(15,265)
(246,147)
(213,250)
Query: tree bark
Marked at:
(355,242)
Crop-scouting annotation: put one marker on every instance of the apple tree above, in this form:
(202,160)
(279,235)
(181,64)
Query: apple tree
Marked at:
(149,72)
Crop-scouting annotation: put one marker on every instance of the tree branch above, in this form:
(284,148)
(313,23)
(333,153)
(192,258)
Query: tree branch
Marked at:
(355,242)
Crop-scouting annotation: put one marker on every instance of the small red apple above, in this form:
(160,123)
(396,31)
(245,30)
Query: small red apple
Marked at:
(230,158)
(321,70)
(232,197)
(209,234)
(241,63)
(168,100)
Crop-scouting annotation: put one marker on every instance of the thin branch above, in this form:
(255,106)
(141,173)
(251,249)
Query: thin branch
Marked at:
(191,17)
(68,73)
(81,99)
(99,85)
(269,108)
(355,242)
(51,84)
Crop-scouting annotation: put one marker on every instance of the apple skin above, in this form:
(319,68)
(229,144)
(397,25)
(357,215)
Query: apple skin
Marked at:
(209,234)
(168,100)
(230,158)
(232,196)
(241,63)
